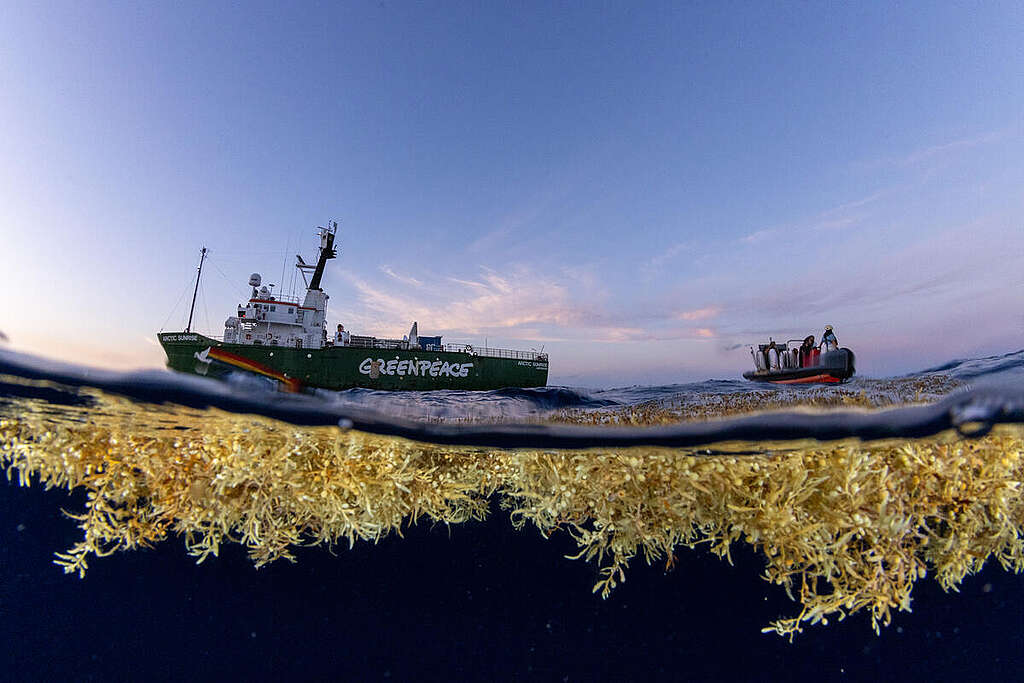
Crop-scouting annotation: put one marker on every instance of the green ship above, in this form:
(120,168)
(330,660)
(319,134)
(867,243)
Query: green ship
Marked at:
(286,339)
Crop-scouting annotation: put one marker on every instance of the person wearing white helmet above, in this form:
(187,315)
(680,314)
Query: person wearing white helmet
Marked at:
(828,340)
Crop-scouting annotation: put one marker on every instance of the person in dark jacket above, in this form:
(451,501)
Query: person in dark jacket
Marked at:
(805,351)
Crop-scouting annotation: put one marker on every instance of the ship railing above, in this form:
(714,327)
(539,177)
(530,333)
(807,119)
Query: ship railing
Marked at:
(401,344)
(289,299)
(362,342)
(496,353)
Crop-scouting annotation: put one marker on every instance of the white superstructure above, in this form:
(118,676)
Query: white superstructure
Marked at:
(271,320)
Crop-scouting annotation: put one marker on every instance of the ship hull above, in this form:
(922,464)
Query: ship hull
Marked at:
(347,367)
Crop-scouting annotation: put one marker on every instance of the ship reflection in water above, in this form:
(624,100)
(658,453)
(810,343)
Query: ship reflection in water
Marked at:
(848,509)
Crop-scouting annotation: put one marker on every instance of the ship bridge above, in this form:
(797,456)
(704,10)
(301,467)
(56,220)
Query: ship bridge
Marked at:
(281,320)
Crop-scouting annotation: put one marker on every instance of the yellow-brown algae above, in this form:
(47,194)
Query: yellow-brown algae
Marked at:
(843,527)
(695,406)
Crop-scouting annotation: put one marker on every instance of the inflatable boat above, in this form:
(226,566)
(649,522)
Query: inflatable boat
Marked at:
(784,364)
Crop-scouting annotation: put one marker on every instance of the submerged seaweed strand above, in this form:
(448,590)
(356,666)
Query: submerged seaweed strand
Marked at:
(844,527)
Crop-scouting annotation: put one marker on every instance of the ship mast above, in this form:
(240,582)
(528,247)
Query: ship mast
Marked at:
(202,257)
(327,251)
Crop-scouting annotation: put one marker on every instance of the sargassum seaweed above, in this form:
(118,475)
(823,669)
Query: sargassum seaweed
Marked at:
(843,527)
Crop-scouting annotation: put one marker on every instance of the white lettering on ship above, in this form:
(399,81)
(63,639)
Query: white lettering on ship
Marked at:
(416,368)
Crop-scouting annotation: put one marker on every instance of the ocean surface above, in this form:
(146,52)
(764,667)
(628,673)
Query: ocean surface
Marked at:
(713,530)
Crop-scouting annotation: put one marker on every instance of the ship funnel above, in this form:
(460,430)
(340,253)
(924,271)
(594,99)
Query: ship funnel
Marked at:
(414,337)
(255,280)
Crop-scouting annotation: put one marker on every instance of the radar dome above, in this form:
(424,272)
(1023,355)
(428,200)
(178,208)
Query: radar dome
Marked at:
(255,280)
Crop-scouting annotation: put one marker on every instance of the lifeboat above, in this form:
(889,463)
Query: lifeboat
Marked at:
(784,364)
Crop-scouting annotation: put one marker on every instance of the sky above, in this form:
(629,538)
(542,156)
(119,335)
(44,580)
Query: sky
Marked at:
(643,190)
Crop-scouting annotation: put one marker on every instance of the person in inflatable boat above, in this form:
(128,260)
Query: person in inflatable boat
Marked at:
(828,340)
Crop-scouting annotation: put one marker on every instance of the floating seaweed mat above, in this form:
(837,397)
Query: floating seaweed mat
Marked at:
(704,405)
(844,526)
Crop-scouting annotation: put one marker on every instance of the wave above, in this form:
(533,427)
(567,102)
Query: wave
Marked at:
(973,411)
(535,404)
(975,368)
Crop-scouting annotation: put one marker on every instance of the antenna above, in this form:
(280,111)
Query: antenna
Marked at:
(284,261)
(202,257)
